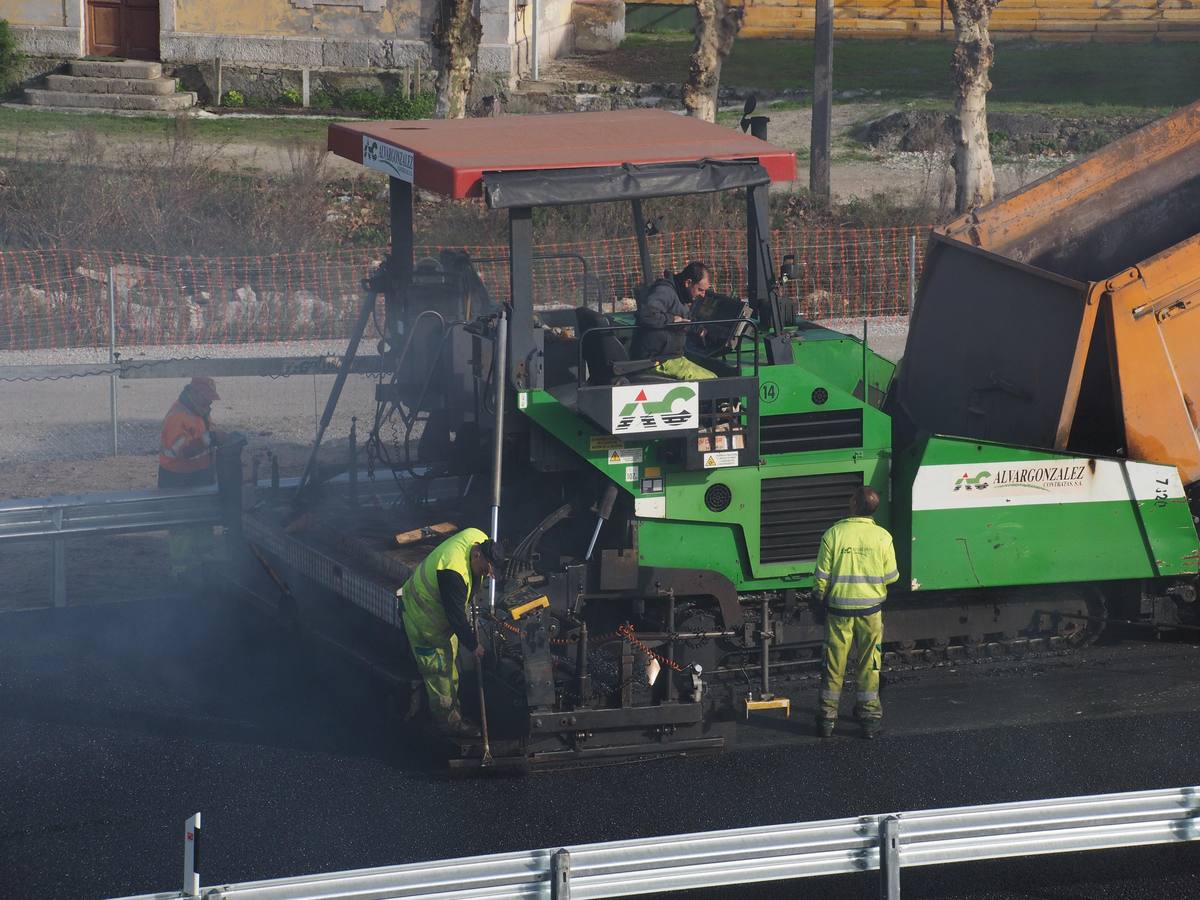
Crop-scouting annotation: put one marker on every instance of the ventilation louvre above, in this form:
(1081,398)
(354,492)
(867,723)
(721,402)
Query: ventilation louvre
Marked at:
(835,429)
(797,511)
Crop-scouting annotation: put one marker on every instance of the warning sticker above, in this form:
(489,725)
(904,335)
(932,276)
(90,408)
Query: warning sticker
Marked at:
(720,460)
(625,457)
(605,442)
(631,474)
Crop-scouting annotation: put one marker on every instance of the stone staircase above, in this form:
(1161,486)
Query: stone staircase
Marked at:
(127,85)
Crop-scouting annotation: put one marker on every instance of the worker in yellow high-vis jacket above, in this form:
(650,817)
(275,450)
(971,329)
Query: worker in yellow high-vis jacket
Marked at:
(436,601)
(855,565)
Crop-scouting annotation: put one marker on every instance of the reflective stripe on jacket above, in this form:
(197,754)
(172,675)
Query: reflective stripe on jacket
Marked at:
(855,565)
(186,442)
(424,617)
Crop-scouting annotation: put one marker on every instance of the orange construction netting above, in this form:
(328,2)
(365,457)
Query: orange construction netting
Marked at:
(52,299)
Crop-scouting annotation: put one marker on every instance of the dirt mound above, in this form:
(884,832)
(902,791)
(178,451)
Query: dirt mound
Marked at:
(919,130)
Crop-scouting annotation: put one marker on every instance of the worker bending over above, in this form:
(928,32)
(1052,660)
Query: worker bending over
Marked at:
(669,302)
(855,565)
(436,599)
(186,459)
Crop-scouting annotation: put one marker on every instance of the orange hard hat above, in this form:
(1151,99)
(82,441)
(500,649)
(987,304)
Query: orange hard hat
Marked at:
(204,388)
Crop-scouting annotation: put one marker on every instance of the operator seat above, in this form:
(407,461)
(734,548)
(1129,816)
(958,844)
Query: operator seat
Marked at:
(606,358)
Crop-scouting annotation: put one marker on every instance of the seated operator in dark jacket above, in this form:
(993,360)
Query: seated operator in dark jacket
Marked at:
(668,301)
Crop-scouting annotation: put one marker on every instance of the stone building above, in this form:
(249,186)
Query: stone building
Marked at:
(284,34)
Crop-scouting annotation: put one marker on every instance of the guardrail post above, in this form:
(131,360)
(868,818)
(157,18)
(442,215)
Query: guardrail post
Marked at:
(560,875)
(191,856)
(889,858)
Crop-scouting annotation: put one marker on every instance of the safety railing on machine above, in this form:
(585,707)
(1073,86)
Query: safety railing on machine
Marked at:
(660,865)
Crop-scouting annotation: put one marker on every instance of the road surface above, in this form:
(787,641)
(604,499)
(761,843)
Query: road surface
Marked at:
(119,721)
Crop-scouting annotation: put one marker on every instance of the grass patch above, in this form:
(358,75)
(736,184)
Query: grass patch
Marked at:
(1089,77)
(13,122)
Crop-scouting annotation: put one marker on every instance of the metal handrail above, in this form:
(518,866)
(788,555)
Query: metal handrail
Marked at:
(675,863)
(750,331)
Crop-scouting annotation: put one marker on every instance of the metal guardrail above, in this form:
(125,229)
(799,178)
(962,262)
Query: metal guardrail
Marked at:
(124,511)
(58,518)
(887,843)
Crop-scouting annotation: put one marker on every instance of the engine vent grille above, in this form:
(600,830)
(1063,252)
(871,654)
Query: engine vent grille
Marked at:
(835,429)
(796,511)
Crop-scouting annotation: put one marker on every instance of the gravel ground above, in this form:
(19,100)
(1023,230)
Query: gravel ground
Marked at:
(121,721)
(69,419)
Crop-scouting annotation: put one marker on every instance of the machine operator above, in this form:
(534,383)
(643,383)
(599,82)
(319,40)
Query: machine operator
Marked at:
(436,599)
(186,459)
(668,302)
(855,565)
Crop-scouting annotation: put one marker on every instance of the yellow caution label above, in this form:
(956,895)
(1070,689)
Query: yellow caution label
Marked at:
(540,603)
(604,442)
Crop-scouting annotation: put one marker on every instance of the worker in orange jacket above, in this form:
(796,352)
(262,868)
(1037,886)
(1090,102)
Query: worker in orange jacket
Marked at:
(187,458)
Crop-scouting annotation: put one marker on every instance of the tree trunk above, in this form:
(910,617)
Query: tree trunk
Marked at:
(456,37)
(716,26)
(974,180)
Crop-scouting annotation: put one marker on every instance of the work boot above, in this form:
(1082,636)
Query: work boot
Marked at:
(825,727)
(456,728)
(872,728)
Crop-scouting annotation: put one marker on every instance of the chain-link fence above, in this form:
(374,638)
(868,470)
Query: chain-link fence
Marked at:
(81,307)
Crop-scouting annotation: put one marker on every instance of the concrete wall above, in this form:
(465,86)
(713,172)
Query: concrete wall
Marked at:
(46,27)
(555,32)
(308,33)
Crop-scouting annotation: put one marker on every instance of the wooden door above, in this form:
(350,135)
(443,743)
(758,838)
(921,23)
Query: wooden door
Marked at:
(125,28)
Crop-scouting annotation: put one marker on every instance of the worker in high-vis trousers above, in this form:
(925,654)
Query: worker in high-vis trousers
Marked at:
(855,565)
(436,601)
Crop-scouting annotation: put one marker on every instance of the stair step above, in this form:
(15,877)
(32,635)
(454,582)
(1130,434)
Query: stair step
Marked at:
(91,84)
(128,68)
(165,102)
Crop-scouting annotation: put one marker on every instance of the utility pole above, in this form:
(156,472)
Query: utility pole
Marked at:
(822,117)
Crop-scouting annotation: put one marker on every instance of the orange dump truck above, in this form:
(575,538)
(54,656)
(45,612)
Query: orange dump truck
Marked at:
(1067,315)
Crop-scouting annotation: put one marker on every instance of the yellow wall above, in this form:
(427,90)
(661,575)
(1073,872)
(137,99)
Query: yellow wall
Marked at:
(1050,20)
(32,12)
(278,18)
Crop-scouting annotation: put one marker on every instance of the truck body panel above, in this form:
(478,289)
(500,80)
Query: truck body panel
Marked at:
(990,515)
(1058,316)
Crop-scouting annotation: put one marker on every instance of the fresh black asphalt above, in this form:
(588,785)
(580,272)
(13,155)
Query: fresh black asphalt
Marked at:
(119,721)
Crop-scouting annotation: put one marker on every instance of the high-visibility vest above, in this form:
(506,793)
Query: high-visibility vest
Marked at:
(855,565)
(424,616)
(186,442)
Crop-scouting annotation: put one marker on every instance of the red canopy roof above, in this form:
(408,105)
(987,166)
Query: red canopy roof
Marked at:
(450,156)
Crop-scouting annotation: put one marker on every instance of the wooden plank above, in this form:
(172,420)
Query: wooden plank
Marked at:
(1114,26)
(1083,17)
(1062,37)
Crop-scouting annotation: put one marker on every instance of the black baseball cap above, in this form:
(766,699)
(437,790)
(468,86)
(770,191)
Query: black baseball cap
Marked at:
(493,552)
